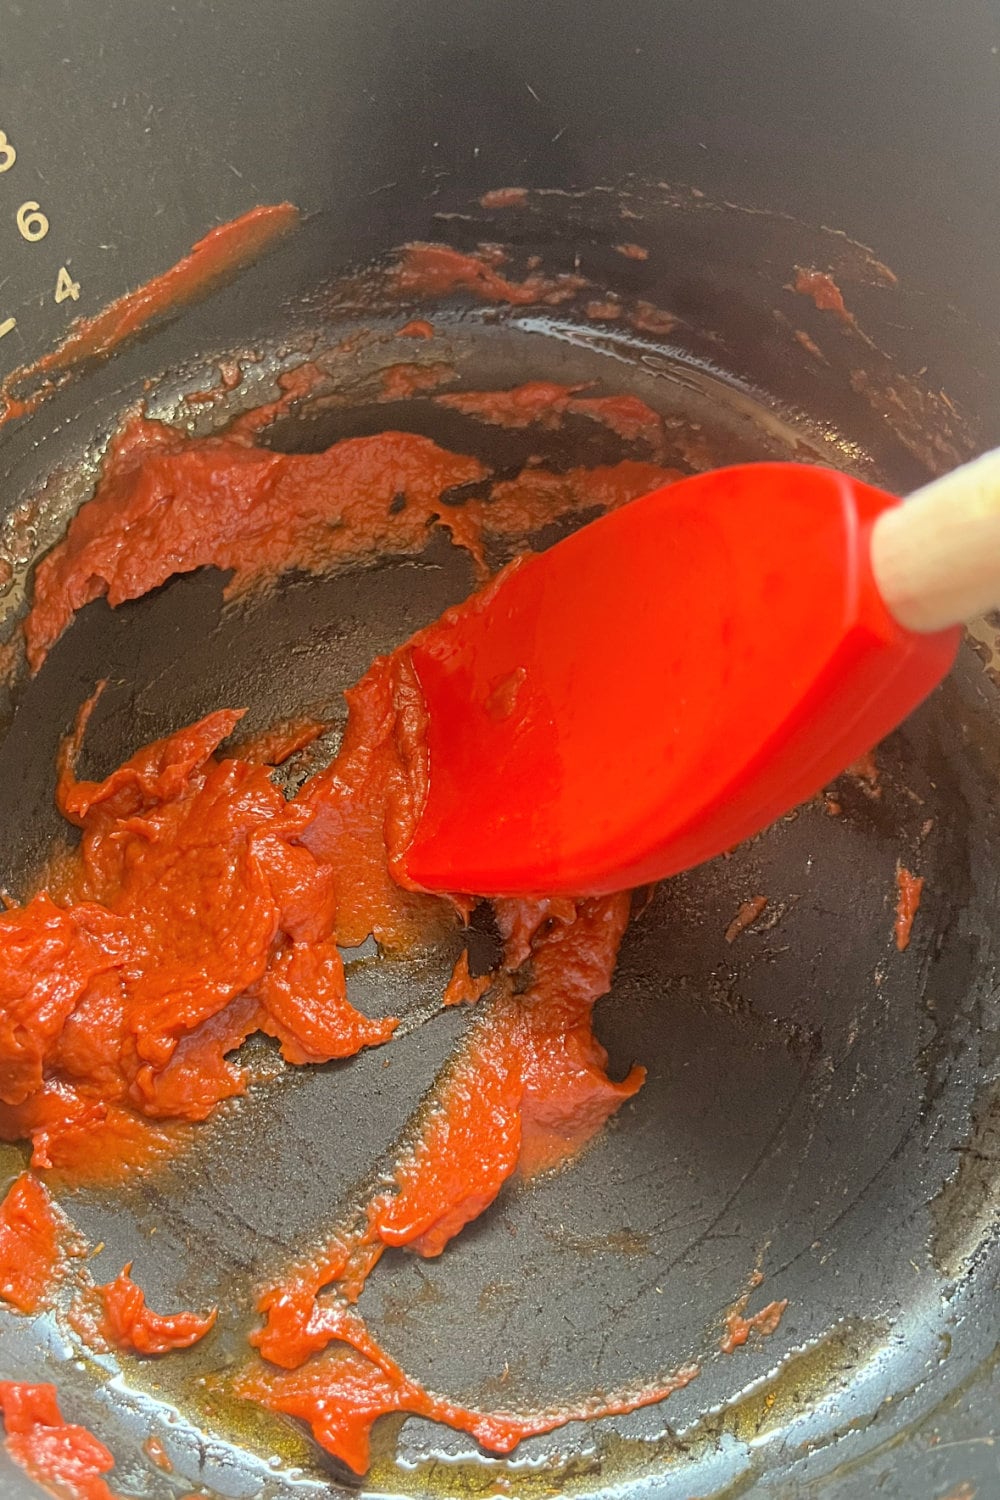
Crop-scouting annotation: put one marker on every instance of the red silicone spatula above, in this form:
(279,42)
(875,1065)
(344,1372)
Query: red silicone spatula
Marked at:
(673,677)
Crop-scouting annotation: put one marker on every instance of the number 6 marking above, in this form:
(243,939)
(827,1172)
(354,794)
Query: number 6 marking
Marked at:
(8,156)
(31,222)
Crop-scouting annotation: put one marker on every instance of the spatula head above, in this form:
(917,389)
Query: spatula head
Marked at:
(661,685)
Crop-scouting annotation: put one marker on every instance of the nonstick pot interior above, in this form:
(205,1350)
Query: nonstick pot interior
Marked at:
(817,1103)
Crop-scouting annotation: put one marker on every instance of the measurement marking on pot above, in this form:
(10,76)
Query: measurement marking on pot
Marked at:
(7,325)
(32,224)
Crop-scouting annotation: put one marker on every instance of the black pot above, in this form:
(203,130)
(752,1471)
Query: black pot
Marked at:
(814,1098)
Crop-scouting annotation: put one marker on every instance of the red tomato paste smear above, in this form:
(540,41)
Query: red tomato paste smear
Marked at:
(525,1091)
(168,503)
(201,905)
(230,376)
(221,252)
(865,770)
(464,988)
(129,1324)
(416,328)
(823,292)
(157,1454)
(400,382)
(29,1245)
(509,197)
(545,404)
(427,270)
(909,888)
(192,915)
(65,1459)
(344,1392)
(739,1327)
(648,318)
(745,917)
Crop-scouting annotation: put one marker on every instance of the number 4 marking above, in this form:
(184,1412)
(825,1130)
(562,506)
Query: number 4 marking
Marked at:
(66,286)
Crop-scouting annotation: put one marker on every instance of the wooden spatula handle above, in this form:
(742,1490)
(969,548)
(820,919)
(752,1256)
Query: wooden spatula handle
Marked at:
(936,559)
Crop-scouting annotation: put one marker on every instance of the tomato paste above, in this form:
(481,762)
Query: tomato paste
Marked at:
(168,503)
(344,1392)
(416,328)
(29,1245)
(823,292)
(909,889)
(400,382)
(64,1458)
(221,252)
(546,404)
(130,1324)
(739,1327)
(202,906)
(427,270)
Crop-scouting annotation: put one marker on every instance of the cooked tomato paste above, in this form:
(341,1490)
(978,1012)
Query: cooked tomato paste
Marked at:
(739,1327)
(29,1245)
(157,1454)
(823,292)
(437,270)
(510,197)
(343,1392)
(416,328)
(545,404)
(909,889)
(400,382)
(130,1324)
(221,251)
(201,905)
(66,1459)
(168,503)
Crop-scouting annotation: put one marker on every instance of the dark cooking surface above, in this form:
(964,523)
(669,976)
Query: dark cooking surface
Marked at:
(809,1086)
(135,140)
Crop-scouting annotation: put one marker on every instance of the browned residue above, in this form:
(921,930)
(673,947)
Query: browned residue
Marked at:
(416,328)
(604,312)
(230,375)
(823,292)
(745,917)
(809,345)
(157,1454)
(865,770)
(400,382)
(909,888)
(509,197)
(428,270)
(11,657)
(647,318)
(295,385)
(926,421)
(276,744)
(633,252)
